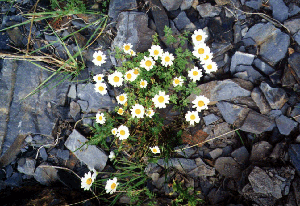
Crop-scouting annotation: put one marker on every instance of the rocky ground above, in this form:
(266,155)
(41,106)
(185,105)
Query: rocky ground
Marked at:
(256,45)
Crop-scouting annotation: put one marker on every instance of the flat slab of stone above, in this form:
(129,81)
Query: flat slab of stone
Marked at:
(232,112)
(93,157)
(276,97)
(228,167)
(117,6)
(181,164)
(285,125)
(224,90)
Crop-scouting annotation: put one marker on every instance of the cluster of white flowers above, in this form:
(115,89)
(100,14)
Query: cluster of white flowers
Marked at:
(200,103)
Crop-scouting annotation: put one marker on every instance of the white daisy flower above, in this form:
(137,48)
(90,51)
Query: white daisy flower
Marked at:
(200,103)
(155,149)
(123,132)
(136,71)
(143,83)
(120,111)
(99,58)
(127,48)
(112,155)
(195,74)
(114,131)
(87,180)
(199,36)
(130,76)
(149,113)
(161,99)
(177,81)
(207,56)
(167,59)
(116,79)
(155,51)
(147,63)
(138,111)
(210,66)
(132,53)
(101,88)
(111,185)
(122,98)
(200,50)
(192,117)
(100,118)
(98,78)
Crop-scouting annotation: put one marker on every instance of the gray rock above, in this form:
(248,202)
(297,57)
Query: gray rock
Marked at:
(298,139)
(39,140)
(132,28)
(228,167)
(297,37)
(43,154)
(260,199)
(257,123)
(219,131)
(207,10)
(84,106)
(232,113)
(260,101)
(186,4)
(275,113)
(224,90)
(240,155)
(9,171)
(93,157)
(15,180)
(216,153)
(295,114)
(160,17)
(216,196)
(202,170)
(293,9)
(294,60)
(63,154)
(152,168)
(237,32)
(171,5)
(181,164)
(32,115)
(45,174)
(187,153)
(26,166)
(255,4)
(273,43)
(279,9)
(293,25)
(211,118)
(117,6)
(252,75)
(285,124)
(262,66)
(72,91)
(4,41)
(74,110)
(276,97)
(294,153)
(182,22)
(263,184)
(220,48)
(95,100)
(260,151)
(240,58)
(54,40)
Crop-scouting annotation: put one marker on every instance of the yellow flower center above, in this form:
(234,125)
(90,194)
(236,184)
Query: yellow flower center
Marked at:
(113,186)
(195,73)
(143,83)
(101,88)
(199,37)
(209,66)
(136,71)
(138,111)
(120,111)
(114,131)
(99,78)
(125,104)
(89,181)
(193,117)
(176,81)
(99,58)
(116,79)
(149,112)
(156,52)
(129,76)
(167,59)
(200,103)
(126,47)
(154,150)
(122,132)
(201,51)
(148,63)
(122,98)
(100,118)
(206,57)
(161,99)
